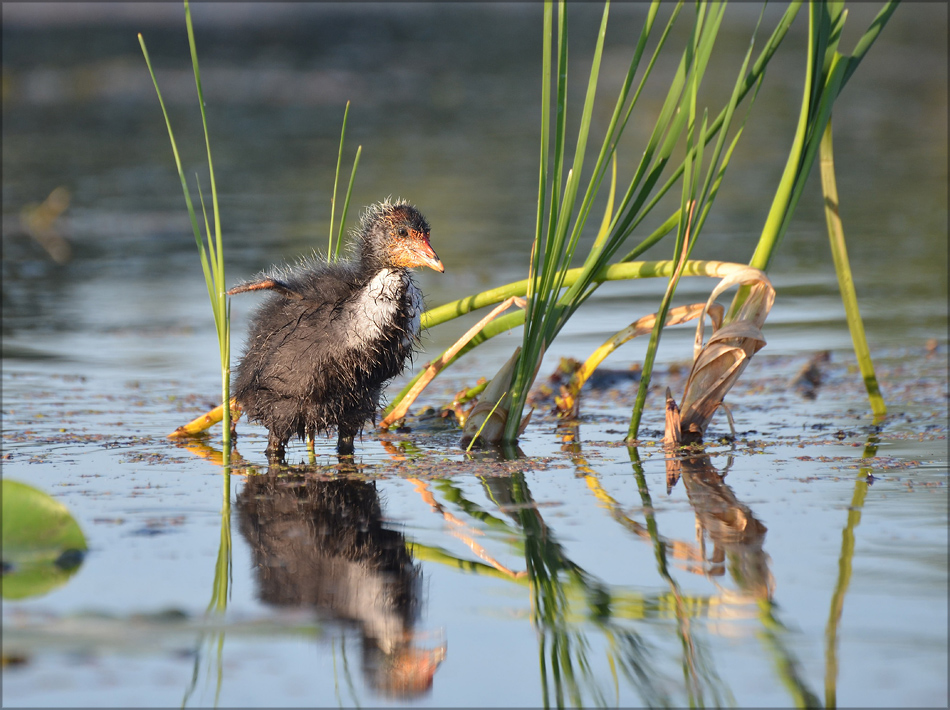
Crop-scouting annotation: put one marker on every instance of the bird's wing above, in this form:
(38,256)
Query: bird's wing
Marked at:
(268,284)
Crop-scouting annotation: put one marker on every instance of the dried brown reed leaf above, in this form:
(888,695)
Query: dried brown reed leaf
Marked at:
(718,364)
(672,435)
(568,402)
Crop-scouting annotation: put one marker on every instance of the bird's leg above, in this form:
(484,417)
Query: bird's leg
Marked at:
(275,448)
(344,442)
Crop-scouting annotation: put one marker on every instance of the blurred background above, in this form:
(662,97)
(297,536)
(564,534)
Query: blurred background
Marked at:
(445,104)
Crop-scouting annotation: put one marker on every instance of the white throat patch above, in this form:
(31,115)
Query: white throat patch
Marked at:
(375,307)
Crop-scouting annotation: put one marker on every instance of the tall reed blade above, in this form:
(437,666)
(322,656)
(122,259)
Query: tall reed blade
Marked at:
(839,253)
(346,201)
(331,252)
(336,236)
(567,402)
(827,72)
(212,253)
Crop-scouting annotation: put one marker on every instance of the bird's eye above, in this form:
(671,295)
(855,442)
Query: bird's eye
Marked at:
(403,232)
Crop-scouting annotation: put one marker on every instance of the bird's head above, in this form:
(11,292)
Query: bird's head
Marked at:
(396,234)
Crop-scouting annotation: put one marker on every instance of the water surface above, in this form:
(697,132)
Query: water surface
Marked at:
(805,563)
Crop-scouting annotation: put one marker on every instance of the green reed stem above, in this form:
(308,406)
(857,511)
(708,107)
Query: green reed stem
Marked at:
(839,253)
(331,252)
(211,251)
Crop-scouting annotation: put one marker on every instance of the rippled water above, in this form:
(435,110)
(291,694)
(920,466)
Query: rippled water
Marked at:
(815,570)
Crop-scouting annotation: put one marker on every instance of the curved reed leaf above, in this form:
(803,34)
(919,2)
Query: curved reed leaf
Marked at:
(567,401)
(615,272)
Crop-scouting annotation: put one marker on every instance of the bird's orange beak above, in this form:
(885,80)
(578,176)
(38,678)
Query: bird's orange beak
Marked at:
(424,255)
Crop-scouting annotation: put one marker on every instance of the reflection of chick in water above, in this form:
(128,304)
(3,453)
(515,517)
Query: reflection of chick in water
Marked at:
(323,543)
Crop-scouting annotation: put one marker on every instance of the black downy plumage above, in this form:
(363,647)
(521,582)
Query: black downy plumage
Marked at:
(322,347)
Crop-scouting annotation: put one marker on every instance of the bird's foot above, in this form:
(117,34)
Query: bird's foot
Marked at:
(276,448)
(344,444)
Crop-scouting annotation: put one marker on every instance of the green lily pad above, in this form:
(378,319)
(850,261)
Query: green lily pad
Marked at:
(43,545)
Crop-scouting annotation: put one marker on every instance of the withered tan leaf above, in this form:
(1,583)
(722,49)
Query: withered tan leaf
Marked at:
(567,402)
(718,363)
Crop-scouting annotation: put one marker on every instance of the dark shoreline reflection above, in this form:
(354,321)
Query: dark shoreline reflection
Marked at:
(323,543)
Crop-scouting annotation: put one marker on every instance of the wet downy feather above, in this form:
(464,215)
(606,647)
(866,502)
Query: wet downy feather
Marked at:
(324,344)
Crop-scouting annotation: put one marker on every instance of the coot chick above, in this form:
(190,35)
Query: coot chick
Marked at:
(322,347)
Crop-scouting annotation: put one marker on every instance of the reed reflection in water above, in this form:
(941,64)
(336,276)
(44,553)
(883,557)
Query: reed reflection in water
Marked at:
(737,536)
(579,617)
(319,540)
(571,607)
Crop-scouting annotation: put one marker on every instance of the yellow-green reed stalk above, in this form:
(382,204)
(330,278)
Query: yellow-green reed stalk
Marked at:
(211,250)
(827,72)
(557,240)
(638,201)
(333,250)
(839,253)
